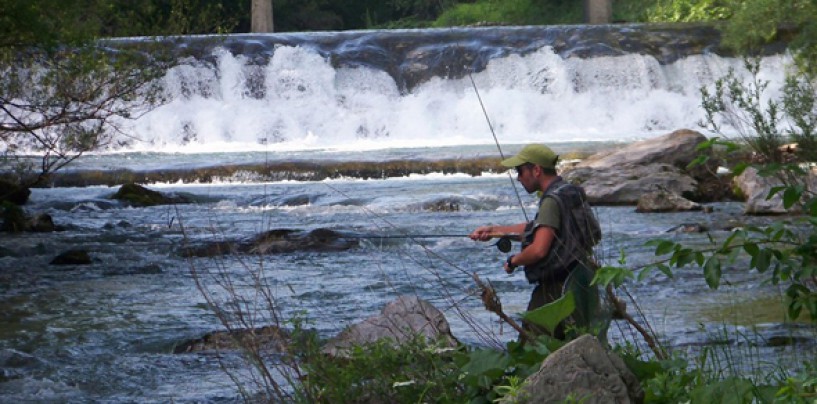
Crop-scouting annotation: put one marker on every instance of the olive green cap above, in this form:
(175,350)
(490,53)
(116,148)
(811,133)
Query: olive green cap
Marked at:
(538,154)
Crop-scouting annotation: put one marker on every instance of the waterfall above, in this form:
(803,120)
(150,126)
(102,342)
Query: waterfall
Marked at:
(370,90)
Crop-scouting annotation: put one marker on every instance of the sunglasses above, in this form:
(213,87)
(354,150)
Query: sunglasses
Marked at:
(520,169)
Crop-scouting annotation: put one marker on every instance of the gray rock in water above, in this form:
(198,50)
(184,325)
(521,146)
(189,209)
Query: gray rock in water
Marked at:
(41,223)
(677,149)
(137,195)
(625,185)
(584,370)
(756,188)
(72,257)
(622,176)
(663,201)
(267,337)
(288,240)
(276,241)
(400,321)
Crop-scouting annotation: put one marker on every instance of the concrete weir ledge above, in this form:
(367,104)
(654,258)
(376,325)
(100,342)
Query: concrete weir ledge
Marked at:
(275,171)
(298,170)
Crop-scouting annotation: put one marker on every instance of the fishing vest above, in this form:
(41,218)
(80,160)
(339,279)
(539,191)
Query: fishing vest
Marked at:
(579,232)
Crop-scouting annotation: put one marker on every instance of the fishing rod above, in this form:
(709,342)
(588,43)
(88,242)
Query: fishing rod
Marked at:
(504,242)
(496,140)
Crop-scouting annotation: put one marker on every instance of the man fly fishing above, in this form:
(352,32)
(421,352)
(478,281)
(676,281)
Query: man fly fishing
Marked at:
(557,245)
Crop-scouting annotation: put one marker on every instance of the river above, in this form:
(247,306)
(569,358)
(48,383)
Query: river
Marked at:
(105,332)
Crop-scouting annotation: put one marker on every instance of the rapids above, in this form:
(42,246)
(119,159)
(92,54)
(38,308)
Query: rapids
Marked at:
(106,331)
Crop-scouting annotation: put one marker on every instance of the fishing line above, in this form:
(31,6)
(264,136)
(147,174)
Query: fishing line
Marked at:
(503,242)
(496,140)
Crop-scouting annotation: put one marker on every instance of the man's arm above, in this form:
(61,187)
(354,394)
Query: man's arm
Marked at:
(485,233)
(535,252)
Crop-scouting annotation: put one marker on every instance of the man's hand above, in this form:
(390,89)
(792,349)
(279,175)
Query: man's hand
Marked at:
(509,266)
(482,233)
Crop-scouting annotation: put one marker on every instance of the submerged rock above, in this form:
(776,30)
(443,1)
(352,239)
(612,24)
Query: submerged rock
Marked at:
(688,228)
(137,195)
(15,220)
(72,257)
(267,337)
(663,201)
(16,364)
(287,240)
(277,241)
(41,223)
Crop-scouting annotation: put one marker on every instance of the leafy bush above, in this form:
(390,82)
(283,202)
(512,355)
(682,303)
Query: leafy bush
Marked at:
(511,12)
(690,11)
(418,371)
(381,372)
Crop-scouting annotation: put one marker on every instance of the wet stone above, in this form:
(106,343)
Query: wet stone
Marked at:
(72,257)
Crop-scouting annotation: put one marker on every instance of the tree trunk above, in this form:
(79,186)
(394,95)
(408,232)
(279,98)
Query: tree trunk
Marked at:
(261,16)
(598,11)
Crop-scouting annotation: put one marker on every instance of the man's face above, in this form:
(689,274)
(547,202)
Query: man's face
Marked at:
(526,175)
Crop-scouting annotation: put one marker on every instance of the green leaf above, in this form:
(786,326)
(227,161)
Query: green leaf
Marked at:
(712,272)
(486,362)
(700,160)
(791,196)
(662,247)
(739,168)
(643,370)
(699,258)
(728,391)
(774,191)
(665,269)
(752,249)
(811,207)
(551,314)
(683,257)
(615,275)
(762,260)
(706,144)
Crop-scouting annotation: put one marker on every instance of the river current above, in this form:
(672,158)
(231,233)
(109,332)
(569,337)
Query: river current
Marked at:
(106,331)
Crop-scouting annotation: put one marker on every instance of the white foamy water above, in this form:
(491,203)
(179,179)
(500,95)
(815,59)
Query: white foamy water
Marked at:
(298,101)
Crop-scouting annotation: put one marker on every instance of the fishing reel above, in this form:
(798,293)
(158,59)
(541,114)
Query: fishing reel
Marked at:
(504,244)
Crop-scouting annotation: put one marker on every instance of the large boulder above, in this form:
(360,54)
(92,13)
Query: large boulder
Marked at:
(586,371)
(678,149)
(755,188)
(625,185)
(400,321)
(622,176)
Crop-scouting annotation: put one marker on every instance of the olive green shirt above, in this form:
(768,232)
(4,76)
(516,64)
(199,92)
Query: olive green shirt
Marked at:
(548,214)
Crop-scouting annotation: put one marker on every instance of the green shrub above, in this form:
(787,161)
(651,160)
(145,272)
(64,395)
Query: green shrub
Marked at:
(417,371)
(511,12)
